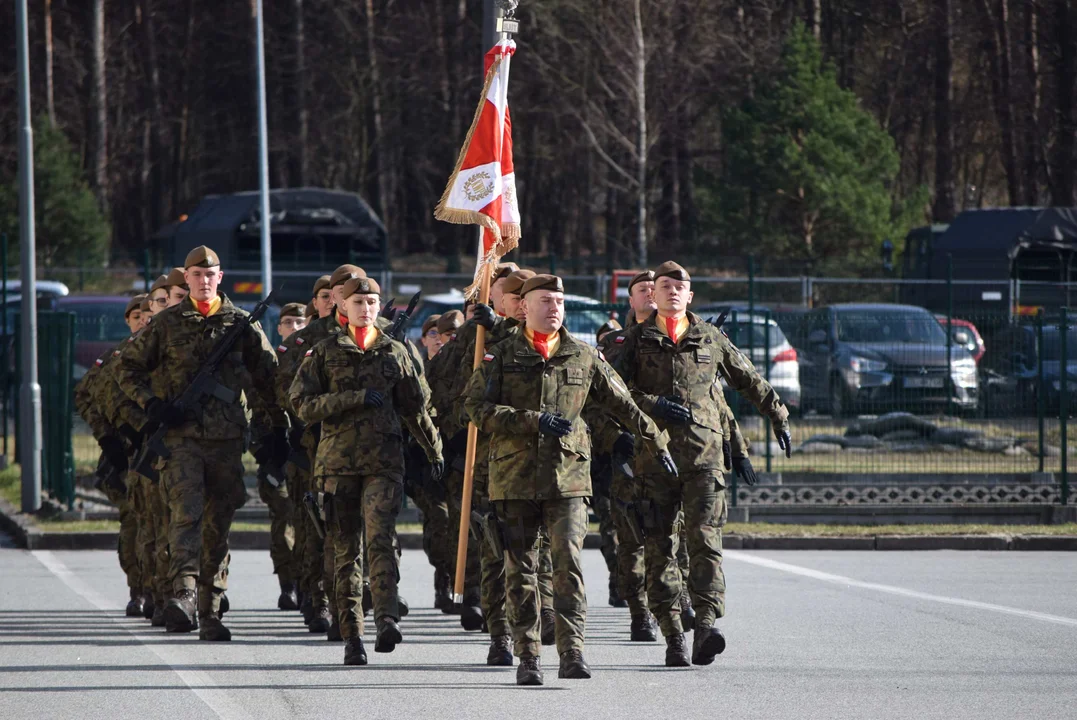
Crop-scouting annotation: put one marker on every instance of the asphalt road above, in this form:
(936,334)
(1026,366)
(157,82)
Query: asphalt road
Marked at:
(811,635)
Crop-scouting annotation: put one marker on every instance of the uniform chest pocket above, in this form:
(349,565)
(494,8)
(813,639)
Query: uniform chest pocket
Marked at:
(574,376)
(703,356)
(650,349)
(391,370)
(341,374)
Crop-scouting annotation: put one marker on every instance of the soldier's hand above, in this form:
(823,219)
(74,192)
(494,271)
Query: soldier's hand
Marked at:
(295,437)
(672,411)
(114,451)
(278,440)
(437,469)
(667,462)
(625,445)
(373,399)
(727,454)
(742,466)
(164,413)
(550,424)
(781,431)
(484,315)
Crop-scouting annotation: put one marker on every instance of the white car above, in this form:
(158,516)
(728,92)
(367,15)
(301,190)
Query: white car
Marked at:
(750,334)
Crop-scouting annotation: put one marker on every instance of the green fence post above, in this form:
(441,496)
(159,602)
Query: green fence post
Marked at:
(950,334)
(734,407)
(1063,405)
(766,369)
(553,263)
(3,348)
(751,303)
(1041,399)
(146,268)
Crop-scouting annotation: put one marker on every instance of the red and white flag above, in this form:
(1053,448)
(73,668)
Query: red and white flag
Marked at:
(482,188)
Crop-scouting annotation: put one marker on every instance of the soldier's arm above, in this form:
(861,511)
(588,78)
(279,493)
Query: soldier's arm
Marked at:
(737,440)
(138,360)
(626,368)
(261,363)
(480,401)
(609,392)
(412,398)
(309,392)
(738,371)
(285,373)
(604,429)
(90,410)
(457,394)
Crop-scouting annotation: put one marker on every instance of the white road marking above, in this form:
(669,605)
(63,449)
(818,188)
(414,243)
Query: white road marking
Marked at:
(894,590)
(199,682)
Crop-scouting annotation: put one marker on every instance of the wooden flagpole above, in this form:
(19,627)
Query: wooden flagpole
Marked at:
(472,446)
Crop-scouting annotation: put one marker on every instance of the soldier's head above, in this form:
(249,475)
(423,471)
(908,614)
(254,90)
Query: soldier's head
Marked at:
(323,297)
(293,318)
(132,314)
(159,294)
(544,296)
(177,287)
(609,326)
(361,299)
(672,289)
(341,275)
(431,340)
(511,300)
(641,295)
(202,271)
(448,324)
(497,284)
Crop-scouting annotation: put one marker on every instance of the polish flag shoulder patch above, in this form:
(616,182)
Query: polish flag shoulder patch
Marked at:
(281,349)
(309,352)
(299,341)
(115,353)
(99,362)
(487,357)
(619,339)
(601,356)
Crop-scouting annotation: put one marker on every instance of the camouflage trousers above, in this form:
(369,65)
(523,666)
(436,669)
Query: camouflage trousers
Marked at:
(203,481)
(565,519)
(281,528)
(363,507)
(702,496)
(439,542)
(163,558)
(128,540)
(147,503)
(473,587)
(631,572)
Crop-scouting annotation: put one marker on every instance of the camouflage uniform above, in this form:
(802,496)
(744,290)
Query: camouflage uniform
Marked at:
(537,479)
(653,366)
(360,459)
(203,478)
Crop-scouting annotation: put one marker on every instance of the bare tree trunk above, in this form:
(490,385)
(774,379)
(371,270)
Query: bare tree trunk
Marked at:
(998,38)
(98,141)
(50,94)
(1066,70)
(380,144)
(1031,126)
(815,17)
(301,158)
(944,209)
(180,149)
(156,144)
(641,138)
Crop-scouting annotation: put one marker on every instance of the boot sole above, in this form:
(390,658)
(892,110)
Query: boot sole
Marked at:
(217,638)
(287,604)
(578,674)
(653,637)
(712,647)
(319,625)
(503,661)
(471,621)
(529,680)
(178,621)
(387,641)
(681,661)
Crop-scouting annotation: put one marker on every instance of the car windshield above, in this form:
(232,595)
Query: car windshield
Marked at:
(1052,345)
(889,326)
(753,335)
(99,321)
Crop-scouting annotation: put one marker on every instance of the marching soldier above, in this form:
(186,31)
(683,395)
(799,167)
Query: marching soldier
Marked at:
(203,474)
(673,361)
(605,436)
(360,385)
(528,393)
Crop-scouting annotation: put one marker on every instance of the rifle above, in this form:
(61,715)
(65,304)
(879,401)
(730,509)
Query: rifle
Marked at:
(400,323)
(311,504)
(387,309)
(202,387)
(109,479)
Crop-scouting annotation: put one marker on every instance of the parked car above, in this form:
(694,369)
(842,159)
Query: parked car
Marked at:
(878,358)
(966,335)
(99,325)
(581,321)
(50,289)
(1010,372)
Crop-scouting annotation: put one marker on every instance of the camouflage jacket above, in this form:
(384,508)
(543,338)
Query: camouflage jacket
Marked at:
(440,375)
(163,360)
(291,351)
(356,440)
(654,367)
(514,385)
(86,403)
(120,409)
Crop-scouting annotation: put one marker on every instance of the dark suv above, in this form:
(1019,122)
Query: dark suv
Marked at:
(879,358)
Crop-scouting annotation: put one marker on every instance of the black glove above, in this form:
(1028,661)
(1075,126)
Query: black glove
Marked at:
(133,437)
(484,315)
(781,431)
(667,462)
(672,411)
(266,452)
(742,466)
(164,413)
(458,442)
(373,399)
(437,470)
(625,445)
(727,453)
(295,437)
(279,443)
(114,451)
(550,424)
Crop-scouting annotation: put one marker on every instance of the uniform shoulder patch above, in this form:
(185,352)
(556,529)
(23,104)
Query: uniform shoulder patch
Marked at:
(98,362)
(131,339)
(299,341)
(488,357)
(281,349)
(309,352)
(114,354)
(601,356)
(619,339)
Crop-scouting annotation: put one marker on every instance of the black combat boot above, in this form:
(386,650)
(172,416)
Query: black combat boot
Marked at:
(135,605)
(158,619)
(500,654)
(688,613)
(388,635)
(573,666)
(471,615)
(529,672)
(402,606)
(148,605)
(708,643)
(677,651)
(320,621)
(442,596)
(180,612)
(615,596)
(288,599)
(225,606)
(548,625)
(211,629)
(333,634)
(643,628)
(354,652)
(307,608)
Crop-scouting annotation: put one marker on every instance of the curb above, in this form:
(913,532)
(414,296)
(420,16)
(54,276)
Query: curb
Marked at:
(943,542)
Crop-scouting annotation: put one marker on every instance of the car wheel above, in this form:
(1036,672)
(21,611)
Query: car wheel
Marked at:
(839,405)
